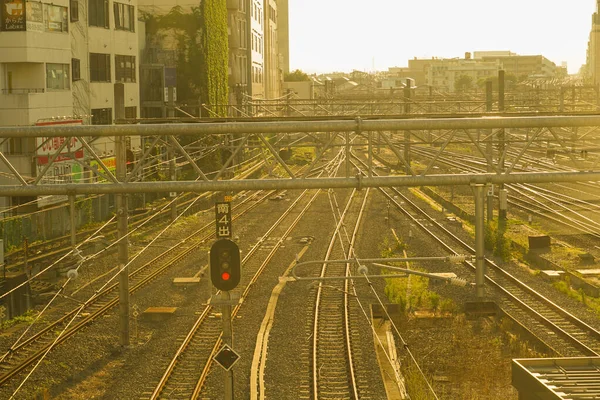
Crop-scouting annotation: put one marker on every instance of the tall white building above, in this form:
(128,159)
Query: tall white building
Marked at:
(68,58)
(65,61)
(257,46)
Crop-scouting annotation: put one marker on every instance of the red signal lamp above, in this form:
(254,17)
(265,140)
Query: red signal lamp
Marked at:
(225,276)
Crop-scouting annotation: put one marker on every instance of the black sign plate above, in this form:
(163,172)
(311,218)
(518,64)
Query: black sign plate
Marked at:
(223,219)
(226,357)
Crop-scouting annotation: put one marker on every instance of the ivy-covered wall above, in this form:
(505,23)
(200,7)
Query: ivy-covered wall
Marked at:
(201,40)
(215,47)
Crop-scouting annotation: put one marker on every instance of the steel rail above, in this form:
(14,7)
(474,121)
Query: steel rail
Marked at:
(348,272)
(315,334)
(553,306)
(216,347)
(583,226)
(194,330)
(184,346)
(134,221)
(583,348)
(88,319)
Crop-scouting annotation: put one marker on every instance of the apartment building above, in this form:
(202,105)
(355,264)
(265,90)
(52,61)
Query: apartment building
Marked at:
(239,71)
(521,66)
(66,61)
(273,71)
(257,49)
(444,73)
(68,58)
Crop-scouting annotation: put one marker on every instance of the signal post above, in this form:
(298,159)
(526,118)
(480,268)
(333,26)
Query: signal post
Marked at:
(225,274)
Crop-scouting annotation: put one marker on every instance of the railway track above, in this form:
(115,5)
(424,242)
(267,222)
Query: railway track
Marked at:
(560,331)
(181,378)
(53,249)
(530,198)
(335,361)
(20,356)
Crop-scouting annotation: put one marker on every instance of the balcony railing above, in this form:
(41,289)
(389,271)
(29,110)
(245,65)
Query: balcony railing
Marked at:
(23,91)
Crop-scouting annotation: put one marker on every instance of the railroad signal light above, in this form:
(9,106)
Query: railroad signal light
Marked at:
(225,265)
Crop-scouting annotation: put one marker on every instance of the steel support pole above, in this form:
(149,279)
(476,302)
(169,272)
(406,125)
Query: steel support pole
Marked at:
(489,149)
(347,136)
(479,240)
(227,339)
(502,144)
(123,250)
(407,152)
(171,156)
(370,156)
(72,216)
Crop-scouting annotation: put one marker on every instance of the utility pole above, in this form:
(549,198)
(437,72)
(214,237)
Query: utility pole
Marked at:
(172,177)
(501,149)
(489,149)
(479,240)
(122,236)
(407,96)
(73,229)
(228,340)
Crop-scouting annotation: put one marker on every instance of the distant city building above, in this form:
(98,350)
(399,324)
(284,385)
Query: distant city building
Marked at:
(444,74)
(523,66)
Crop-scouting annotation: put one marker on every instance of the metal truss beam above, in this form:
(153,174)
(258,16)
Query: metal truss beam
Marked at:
(284,126)
(358,182)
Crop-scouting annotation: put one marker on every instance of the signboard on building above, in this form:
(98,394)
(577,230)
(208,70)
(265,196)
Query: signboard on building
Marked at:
(65,168)
(35,16)
(13,15)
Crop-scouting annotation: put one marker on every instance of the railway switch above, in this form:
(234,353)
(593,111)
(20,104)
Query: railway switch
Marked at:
(225,265)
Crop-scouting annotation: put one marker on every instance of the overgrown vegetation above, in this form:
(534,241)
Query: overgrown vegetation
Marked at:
(28,318)
(497,241)
(296,76)
(564,286)
(412,292)
(202,51)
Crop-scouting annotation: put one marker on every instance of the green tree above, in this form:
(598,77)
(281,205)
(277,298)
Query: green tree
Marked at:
(296,76)
(463,83)
(510,81)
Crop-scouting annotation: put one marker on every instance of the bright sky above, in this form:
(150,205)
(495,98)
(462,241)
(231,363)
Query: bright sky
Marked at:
(342,35)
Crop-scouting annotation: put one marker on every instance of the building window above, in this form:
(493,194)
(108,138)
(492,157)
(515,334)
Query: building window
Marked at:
(56,18)
(131,112)
(124,17)
(125,68)
(75,69)
(74,10)
(98,13)
(57,76)
(102,116)
(99,67)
